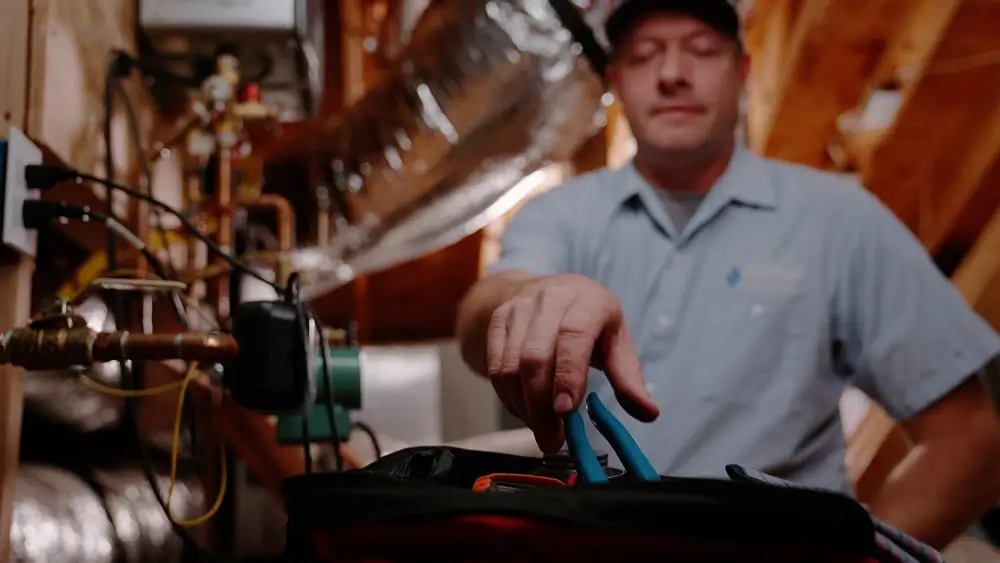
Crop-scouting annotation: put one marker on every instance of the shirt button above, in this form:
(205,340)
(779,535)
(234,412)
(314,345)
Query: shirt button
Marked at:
(664,322)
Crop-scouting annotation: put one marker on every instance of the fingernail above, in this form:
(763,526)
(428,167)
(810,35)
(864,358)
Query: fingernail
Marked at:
(563,403)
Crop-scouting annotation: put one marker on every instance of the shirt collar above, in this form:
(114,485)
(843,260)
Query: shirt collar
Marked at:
(744,181)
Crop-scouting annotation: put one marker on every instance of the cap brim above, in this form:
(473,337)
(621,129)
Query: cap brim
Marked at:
(718,13)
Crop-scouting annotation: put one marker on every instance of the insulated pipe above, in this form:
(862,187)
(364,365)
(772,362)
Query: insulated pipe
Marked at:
(60,517)
(484,94)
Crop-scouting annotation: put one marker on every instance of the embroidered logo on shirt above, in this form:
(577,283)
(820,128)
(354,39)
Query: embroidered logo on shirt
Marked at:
(733,277)
(765,277)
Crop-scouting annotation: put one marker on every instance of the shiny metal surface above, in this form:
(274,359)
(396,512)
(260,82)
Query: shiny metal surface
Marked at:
(485,94)
(60,396)
(595,13)
(59,518)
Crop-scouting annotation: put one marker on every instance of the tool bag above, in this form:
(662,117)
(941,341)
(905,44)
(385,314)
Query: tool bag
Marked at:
(419,504)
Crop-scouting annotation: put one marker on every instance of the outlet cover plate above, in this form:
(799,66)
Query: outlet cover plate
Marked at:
(16,153)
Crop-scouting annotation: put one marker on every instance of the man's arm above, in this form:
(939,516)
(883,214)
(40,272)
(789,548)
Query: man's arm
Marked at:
(476,309)
(951,477)
(534,244)
(916,348)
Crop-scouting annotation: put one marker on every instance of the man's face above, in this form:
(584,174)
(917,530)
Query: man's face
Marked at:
(679,82)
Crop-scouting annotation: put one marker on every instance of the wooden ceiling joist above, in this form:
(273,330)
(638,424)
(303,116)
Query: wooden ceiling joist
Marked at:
(807,75)
(978,212)
(946,134)
(978,278)
(905,53)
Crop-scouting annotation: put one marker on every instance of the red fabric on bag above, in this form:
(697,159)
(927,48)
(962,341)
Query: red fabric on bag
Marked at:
(498,539)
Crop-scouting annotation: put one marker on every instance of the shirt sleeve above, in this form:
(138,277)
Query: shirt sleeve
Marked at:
(536,240)
(909,337)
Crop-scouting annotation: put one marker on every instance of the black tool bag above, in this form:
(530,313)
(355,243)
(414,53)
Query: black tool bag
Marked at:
(418,504)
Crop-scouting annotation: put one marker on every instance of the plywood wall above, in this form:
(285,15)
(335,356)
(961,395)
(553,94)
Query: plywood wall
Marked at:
(71,43)
(15,271)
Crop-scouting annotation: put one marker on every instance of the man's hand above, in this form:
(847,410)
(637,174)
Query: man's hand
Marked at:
(541,343)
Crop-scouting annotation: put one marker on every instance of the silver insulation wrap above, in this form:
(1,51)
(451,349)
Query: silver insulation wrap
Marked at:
(62,397)
(484,94)
(60,518)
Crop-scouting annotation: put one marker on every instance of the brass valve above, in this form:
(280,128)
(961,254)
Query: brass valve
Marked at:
(61,339)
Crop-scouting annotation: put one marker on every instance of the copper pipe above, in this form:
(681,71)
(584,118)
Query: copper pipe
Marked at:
(251,436)
(253,439)
(283,213)
(35,349)
(224,235)
(194,208)
(141,226)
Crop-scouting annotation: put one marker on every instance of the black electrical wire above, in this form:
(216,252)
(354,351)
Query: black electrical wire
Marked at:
(114,67)
(122,67)
(130,377)
(35,214)
(328,390)
(306,317)
(292,296)
(45,176)
(147,173)
(370,432)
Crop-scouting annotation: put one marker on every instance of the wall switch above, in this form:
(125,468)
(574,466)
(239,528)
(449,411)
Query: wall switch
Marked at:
(16,153)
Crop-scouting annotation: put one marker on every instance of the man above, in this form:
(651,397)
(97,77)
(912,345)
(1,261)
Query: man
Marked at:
(749,293)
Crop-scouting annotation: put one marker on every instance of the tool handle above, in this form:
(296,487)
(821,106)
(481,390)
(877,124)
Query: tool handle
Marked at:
(588,467)
(621,441)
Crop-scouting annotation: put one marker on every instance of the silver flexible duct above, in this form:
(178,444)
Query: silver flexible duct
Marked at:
(59,518)
(62,397)
(485,94)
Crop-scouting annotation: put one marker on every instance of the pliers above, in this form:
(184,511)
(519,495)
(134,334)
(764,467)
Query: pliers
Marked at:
(588,468)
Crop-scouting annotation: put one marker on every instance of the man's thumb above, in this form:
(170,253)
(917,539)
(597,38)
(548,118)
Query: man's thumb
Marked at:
(624,371)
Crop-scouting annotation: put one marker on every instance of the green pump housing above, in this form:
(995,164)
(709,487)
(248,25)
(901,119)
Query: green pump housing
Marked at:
(345,372)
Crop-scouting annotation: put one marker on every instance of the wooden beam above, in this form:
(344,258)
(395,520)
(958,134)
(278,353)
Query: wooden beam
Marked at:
(13,63)
(978,212)
(832,52)
(944,138)
(924,26)
(978,277)
(767,38)
(15,270)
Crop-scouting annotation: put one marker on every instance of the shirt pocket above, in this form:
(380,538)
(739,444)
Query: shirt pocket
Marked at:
(751,345)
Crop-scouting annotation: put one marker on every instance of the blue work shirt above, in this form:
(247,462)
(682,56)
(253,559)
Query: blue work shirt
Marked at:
(785,287)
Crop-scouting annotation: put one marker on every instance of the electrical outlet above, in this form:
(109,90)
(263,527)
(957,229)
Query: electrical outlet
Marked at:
(16,153)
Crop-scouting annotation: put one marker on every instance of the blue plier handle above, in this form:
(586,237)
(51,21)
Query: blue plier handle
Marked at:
(588,467)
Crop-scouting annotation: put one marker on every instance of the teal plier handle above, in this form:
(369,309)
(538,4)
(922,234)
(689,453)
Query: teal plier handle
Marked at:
(588,467)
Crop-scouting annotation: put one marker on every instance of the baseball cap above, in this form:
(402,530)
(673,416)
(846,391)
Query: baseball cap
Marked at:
(720,14)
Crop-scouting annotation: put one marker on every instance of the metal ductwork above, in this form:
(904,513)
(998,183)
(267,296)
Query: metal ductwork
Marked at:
(485,94)
(61,397)
(61,518)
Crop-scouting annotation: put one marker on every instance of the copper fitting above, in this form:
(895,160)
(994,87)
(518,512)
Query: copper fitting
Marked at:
(284,217)
(283,213)
(39,349)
